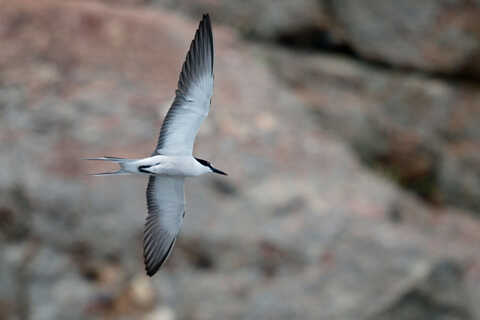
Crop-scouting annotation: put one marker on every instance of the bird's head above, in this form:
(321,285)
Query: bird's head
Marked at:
(207,164)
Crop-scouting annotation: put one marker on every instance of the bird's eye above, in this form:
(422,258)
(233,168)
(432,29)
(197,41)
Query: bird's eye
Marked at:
(203,162)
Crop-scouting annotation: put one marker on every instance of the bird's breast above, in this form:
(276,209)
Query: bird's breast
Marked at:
(175,166)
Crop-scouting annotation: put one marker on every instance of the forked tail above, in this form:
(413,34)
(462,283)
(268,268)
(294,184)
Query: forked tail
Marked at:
(120,161)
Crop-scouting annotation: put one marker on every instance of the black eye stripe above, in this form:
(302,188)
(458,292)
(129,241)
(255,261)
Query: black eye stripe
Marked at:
(203,162)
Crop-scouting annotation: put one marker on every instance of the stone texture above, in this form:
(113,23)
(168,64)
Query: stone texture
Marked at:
(299,229)
(421,131)
(261,19)
(441,36)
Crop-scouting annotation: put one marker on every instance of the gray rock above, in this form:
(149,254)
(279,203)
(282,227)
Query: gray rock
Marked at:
(438,36)
(433,36)
(441,295)
(419,131)
(261,19)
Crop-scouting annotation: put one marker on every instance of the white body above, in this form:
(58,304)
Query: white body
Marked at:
(183,166)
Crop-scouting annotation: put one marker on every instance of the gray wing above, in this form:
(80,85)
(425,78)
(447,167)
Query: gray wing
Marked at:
(166,208)
(192,100)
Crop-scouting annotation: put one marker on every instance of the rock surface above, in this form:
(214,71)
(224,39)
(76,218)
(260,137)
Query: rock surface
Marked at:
(440,36)
(432,35)
(299,229)
(267,19)
(422,131)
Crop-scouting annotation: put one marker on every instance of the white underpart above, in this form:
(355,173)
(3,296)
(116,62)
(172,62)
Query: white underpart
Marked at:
(185,166)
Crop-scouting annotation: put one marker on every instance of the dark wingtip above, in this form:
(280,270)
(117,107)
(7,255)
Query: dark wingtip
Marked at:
(150,274)
(152,267)
(208,26)
(151,270)
(201,49)
(206,17)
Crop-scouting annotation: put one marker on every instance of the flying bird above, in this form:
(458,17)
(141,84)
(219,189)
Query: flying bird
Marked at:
(172,160)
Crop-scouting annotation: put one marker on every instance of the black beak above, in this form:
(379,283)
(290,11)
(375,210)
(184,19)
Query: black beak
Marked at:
(218,171)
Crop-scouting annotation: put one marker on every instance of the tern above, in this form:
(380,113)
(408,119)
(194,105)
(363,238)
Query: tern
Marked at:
(172,161)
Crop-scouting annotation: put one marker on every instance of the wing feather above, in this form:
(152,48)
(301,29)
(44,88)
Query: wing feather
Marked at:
(166,207)
(192,97)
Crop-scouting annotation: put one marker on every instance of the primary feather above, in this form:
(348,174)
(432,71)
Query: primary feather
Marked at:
(192,97)
(166,208)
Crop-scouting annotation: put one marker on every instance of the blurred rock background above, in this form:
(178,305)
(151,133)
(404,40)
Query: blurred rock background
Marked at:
(350,130)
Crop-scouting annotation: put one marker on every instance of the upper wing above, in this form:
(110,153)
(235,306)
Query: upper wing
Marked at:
(166,208)
(192,100)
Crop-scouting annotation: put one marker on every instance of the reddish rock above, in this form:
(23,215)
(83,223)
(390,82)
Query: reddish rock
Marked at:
(299,229)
